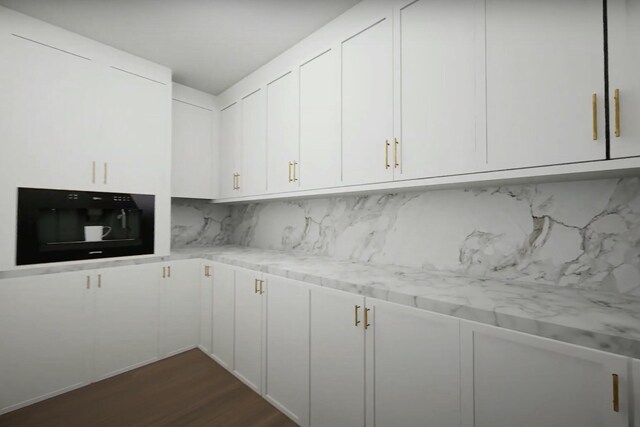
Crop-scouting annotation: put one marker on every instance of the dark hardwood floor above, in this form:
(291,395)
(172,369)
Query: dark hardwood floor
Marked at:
(189,389)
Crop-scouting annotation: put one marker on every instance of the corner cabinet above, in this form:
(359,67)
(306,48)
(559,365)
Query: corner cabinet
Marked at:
(230,161)
(513,379)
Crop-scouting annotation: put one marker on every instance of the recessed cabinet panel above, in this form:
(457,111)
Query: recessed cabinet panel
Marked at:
(282,134)
(522,380)
(439,57)
(230,150)
(223,314)
(253,179)
(337,359)
(45,336)
(320,157)
(413,364)
(367,106)
(545,82)
(624,82)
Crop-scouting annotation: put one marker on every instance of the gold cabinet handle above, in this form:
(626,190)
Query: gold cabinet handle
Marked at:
(395,153)
(99,280)
(255,287)
(207,272)
(386,154)
(238,181)
(106,165)
(93,173)
(594,113)
(616,107)
(261,290)
(169,271)
(164,272)
(616,392)
(88,282)
(290,166)
(357,322)
(295,164)
(366,318)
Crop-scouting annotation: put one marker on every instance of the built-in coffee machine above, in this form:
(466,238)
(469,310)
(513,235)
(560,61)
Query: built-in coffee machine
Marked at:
(62,225)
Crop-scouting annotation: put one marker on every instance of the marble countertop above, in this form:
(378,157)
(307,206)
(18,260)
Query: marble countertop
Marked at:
(603,321)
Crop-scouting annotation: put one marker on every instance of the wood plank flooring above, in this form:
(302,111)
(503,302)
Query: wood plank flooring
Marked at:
(189,389)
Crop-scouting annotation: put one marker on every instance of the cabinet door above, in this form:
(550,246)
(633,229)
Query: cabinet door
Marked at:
(320,156)
(635,367)
(230,149)
(544,64)
(223,315)
(248,328)
(512,379)
(367,105)
(206,308)
(337,359)
(192,151)
(287,347)
(413,367)
(135,138)
(282,134)
(441,105)
(253,179)
(44,337)
(624,62)
(180,292)
(126,318)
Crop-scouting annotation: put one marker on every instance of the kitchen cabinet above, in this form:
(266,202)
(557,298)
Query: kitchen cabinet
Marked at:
(413,366)
(194,156)
(283,154)
(367,105)
(286,349)
(545,82)
(127,302)
(206,308)
(513,379)
(320,140)
(336,359)
(249,290)
(230,162)
(439,78)
(223,315)
(179,306)
(45,337)
(624,84)
(253,179)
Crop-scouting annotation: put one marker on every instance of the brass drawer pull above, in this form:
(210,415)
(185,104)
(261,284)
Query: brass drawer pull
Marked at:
(88,282)
(395,153)
(366,318)
(255,287)
(616,107)
(616,393)
(290,166)
(357,322)
(386,154)
(594,113)
(99,280)
(295,179)
(261,290)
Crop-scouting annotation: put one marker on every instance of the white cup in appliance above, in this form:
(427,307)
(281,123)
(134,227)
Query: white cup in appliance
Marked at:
(95,233)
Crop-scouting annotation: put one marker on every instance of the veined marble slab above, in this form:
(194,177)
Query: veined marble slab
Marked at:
(601,320)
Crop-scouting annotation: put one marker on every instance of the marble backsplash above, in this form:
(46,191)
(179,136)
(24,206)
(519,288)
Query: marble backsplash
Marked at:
(583,234)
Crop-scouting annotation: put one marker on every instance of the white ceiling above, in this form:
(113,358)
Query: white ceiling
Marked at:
(209,44)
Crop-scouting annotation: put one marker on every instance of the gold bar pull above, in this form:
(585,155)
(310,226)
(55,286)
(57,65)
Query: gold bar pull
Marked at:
(616,107)
(357,322)
(169,271)
(386,154)
(106,165)
(290,165)
(261,290)
(395,153)
(88,282)
(616,393)
(238,181)
(93,173)
(294,171)
(207,272)
(164,272)
(255,287)
(366,318)
(594,112)
(99,280)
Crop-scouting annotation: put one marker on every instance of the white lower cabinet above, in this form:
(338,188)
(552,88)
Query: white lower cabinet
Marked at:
(127,303)
(513,379)
(413,367)
(45,330)
(336,359)
(286,373)
(179,307)
(223,315)
(249,288)
(635,368)
(206,308)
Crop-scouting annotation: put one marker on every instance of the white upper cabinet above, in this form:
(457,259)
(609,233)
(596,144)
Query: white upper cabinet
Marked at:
(624,82)
(253,179)
(545,82)
(367,105)
(440,58)
(283,154)
(320,158)
(230,162)
(194,171)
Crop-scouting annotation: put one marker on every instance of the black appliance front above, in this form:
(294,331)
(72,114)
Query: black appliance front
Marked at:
(63,225)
